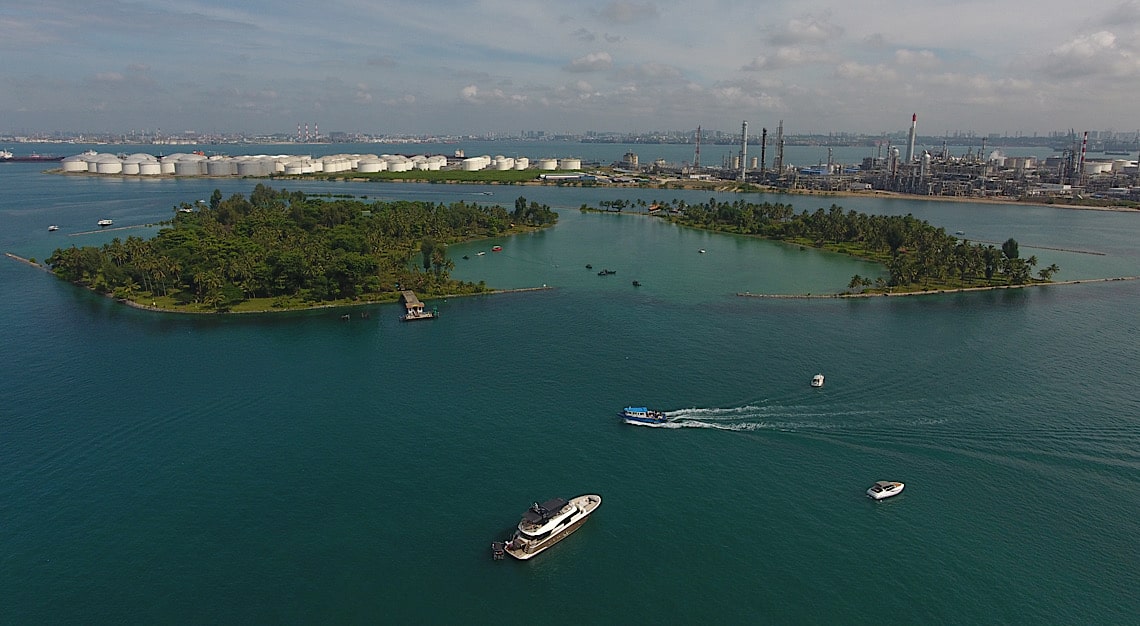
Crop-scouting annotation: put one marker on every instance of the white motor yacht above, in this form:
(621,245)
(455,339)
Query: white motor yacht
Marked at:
(885,489)
(544,525)
(817,380)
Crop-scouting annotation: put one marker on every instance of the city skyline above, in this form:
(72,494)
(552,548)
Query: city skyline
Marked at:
(613,66)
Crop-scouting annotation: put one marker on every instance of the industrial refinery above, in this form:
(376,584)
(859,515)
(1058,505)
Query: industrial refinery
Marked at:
(894,167)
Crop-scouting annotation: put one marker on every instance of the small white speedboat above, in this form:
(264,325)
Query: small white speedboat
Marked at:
(817,380)
(53,228)
(104,223)
(885,489)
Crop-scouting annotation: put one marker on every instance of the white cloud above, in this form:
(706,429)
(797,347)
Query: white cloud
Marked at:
(593,62)
(916,58)
(1090,55)
(784,56)
(850,70)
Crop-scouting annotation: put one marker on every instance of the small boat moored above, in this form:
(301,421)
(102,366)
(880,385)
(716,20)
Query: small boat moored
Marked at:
(885,489)
(496,248)
(642,415)
(544,525)
(104,223)
(53,228)
(817,380)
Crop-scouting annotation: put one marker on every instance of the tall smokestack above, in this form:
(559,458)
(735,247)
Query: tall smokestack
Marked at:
(1081,165)
(763,149)
(697,158)
(743,150)
(910,140)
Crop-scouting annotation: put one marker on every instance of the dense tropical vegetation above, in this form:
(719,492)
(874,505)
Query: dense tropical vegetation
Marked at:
(917,256)
(285,249)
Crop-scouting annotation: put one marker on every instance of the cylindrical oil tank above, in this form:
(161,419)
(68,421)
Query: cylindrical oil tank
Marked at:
(77,163)
(252,166)
(220,167)
(150,168)
(570,164)
(371,166)
(548,164)
(473,164)
(109,164)
(131,168)
(504,163)
(188,167)
(521,163)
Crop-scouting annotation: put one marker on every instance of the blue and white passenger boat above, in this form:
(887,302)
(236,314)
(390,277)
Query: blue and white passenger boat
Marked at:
(642,415)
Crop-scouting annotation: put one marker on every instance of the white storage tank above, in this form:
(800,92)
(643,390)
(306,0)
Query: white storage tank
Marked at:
(108,164)
(150,168)
(522,163)
(473,164)
(548,164)
(220,167)
(131,168)
(1097,167)
(504,163)
(76,163)
(570,164)
(371,166)
(187,167)
(93,159)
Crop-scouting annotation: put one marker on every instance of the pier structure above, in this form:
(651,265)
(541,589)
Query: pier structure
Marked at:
(413,308)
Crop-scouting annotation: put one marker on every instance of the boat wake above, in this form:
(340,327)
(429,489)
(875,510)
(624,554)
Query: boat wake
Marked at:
(753,417)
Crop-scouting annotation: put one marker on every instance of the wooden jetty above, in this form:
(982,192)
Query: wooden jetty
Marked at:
(413,308)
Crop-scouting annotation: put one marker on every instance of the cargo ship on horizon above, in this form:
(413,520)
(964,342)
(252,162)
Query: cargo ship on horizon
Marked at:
(8,157)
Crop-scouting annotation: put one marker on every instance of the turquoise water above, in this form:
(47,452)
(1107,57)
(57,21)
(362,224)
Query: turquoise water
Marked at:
(296,468)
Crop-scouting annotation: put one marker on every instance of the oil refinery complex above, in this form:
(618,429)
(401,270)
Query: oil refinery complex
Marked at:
(895,168)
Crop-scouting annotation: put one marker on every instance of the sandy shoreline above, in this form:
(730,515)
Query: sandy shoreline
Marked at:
(742,294)
(928,292)
(157,309)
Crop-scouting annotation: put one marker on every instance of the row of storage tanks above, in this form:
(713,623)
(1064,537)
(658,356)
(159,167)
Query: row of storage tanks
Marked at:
(500,162)
(193,164)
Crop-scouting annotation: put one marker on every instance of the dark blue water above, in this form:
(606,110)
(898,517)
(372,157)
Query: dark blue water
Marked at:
(296,468)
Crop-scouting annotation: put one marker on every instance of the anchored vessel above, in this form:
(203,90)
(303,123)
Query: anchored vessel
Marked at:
(544,525)
(817,380)
(105,223)
(642,415)
(885,489)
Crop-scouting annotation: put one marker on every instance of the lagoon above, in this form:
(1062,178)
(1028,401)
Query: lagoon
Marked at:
(296,468)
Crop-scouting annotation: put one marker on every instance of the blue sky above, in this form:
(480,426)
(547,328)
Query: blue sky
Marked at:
(438,66)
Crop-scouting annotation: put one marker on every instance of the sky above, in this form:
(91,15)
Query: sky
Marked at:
(497,66)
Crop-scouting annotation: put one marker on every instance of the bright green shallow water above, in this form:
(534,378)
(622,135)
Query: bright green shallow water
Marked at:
(295,468)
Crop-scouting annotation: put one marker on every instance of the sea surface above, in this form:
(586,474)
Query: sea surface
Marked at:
(296,468)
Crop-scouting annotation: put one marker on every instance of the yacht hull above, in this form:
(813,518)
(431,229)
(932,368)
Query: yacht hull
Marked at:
(527,550)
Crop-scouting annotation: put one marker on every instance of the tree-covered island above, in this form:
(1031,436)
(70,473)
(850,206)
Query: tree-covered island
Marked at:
(287,250)
(917,255)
